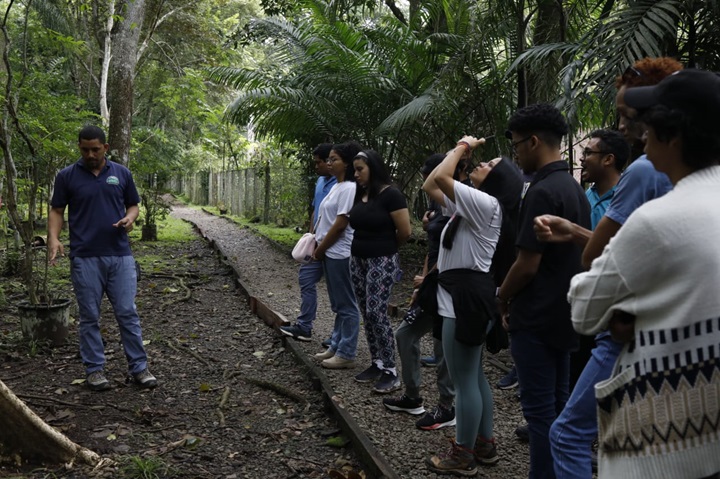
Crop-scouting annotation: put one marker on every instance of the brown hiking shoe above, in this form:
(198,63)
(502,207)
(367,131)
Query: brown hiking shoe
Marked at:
(486,452)
(458,461)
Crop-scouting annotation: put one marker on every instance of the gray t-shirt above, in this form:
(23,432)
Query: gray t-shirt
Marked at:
(339,201)
(476,238)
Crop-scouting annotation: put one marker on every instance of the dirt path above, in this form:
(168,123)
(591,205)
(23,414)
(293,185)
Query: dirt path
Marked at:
(272,275)
(218,412)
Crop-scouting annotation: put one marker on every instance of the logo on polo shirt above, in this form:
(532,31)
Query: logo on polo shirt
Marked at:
(112,180)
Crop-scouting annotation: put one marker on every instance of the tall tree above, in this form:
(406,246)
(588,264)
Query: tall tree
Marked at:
(125,40)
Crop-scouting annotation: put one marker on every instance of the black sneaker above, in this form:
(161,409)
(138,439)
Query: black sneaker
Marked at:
(145,379)
(523,433)
(406,404)
(295,332)
(438,418)
(370,375)
(96,381)
(387,383)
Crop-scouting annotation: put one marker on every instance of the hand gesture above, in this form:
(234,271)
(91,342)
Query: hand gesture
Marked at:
(126,223)
(55,248)
(472,141)
(552,229)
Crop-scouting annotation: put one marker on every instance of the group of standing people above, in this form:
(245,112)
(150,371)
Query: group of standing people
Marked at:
(361,222)
(648,387)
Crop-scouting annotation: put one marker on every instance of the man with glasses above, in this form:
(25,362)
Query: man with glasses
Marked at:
(576,428)
(603,159)
(535,288)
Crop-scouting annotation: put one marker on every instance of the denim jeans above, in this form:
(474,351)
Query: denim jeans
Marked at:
(573,432)
(408,342)
(116,277)
(308,276)
(343,304)
(543,374)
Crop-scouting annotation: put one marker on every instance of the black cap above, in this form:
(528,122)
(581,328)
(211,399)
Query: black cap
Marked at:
(431,163)
(695,93)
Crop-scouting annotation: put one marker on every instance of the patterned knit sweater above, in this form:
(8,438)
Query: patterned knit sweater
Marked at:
(659,413)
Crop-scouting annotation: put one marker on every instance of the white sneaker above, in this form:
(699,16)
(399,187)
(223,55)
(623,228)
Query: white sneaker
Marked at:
(336,362)
(327,354)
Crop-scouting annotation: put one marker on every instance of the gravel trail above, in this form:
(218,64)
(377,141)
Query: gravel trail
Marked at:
(272,275)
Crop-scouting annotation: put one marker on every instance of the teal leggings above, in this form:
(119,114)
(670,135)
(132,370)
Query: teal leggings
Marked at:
(473,397)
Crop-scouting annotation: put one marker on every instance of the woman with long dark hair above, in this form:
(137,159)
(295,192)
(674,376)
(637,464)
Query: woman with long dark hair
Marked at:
(334,236)
(381,223)
(466,302)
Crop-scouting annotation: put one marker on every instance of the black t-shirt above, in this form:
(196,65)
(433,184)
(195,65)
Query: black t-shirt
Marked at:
(373,225)
(435,226)
(542,306)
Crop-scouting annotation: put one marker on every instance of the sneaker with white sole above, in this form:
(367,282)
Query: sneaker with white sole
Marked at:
(296,332)
(388,382)
(336,362)
(406,404)
(327,354)
(96,381)
(145,379)
(437,418)
(370,375)
(509,381)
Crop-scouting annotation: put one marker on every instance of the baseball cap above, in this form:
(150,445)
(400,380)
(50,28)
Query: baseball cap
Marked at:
(431,163)
(695,93)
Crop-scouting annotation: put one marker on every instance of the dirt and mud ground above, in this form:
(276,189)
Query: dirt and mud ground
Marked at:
(232,403)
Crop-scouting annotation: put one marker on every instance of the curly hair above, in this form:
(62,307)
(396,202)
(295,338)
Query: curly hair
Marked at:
(541,119)
(700,141)
(347,151)
(647,72)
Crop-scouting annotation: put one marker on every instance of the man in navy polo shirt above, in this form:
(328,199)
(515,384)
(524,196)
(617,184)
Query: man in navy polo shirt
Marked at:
(102,206)
(535,288)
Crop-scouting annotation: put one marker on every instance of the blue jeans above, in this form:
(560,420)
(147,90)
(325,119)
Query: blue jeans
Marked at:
(544,375)
(343,304)
(408,343)
(572,434)
(308,276)
(116,277)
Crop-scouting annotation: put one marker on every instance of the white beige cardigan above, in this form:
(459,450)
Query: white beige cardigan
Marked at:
(659,414)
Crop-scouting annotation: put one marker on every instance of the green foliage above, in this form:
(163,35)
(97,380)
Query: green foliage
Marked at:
(136,467)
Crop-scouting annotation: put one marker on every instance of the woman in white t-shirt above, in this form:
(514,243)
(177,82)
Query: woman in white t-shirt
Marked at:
(334,236)
(466,302)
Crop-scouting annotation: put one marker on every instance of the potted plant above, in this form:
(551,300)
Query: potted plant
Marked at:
(154,208)
(28,147)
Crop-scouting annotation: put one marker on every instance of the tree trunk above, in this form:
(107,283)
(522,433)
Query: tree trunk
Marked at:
(549,28)
(122,77)
(107,52)
(22,432)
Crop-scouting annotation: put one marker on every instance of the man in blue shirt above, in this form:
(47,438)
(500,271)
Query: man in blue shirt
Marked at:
(309,274)
(603,159)
(572,433)
(102,206)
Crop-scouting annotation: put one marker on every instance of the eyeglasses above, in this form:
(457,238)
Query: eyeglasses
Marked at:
(514,145)
(586,152)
